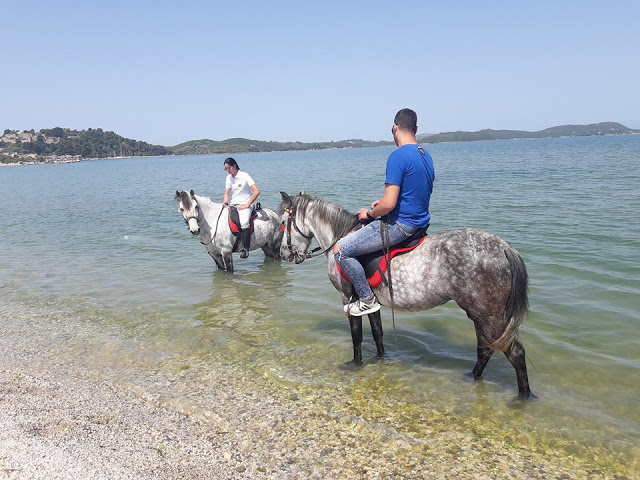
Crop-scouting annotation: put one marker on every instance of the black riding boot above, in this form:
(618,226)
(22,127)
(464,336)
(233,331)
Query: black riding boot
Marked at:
(245,236)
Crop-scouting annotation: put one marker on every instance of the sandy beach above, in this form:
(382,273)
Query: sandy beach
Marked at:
(61,421)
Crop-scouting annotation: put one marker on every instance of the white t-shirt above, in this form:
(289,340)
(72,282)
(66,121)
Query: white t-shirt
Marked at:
(240,186)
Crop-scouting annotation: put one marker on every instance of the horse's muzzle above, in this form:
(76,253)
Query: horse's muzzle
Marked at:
(294,257)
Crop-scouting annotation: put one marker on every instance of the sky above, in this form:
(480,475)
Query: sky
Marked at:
(166,72)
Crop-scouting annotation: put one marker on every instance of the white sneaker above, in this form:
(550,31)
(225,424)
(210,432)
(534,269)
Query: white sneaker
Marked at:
(359,308)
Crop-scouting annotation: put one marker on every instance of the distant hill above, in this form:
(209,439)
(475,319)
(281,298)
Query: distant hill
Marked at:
(604,128)
(58,143)
(244,145)
(64,144)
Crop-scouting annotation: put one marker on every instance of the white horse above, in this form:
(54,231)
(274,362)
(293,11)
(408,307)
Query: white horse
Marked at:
(210,221)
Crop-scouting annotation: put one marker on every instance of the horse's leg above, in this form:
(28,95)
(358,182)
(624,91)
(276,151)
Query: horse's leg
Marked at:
(356,336)
(515,355)
(272,247)
(228,261)
(268,252)
(376,329)
(484,353)
(218,259)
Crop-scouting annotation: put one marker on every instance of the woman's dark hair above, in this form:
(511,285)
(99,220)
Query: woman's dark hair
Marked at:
(407,119)
(231,162)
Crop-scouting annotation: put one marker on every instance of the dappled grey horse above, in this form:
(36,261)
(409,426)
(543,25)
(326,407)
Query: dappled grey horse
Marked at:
(210,221)
(481,272)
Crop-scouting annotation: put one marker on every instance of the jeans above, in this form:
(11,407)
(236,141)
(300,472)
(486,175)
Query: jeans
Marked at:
(366,240)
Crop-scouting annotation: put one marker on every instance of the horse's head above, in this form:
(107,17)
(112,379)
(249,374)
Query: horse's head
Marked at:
(295,241)
(188,207)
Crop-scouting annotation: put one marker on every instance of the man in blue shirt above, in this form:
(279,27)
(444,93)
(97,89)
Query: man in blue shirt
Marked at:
(405,202)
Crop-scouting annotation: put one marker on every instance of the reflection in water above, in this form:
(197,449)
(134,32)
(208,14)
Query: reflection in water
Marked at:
(243,304)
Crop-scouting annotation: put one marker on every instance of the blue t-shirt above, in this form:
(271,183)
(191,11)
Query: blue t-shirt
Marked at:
(414,174)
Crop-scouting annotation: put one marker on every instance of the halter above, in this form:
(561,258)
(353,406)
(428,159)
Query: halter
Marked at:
(194,217)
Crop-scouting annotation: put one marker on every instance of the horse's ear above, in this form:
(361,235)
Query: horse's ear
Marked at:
(177,195)
(301,192)
(286,198)
(193,194)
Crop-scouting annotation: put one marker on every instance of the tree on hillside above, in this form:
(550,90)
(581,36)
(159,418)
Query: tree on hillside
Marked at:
(56,132)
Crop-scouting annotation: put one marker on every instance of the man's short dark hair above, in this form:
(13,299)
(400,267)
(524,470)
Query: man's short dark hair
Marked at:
(407,119)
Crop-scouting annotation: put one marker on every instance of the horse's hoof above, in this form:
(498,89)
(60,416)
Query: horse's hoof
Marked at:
(380,358)
(522,400)
(469,376)
(527,395)
(350,365)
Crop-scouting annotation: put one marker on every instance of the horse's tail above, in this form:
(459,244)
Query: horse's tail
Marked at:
(517,307)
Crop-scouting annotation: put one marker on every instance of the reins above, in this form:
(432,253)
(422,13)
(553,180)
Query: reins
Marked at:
(384,234)
(217,222)
(386,252)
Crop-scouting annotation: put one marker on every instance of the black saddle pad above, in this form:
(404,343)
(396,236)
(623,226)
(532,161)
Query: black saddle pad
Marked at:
(234,218)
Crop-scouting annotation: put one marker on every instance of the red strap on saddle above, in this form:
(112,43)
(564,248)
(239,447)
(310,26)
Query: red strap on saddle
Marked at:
(375,279)
(233,226)
(236,227)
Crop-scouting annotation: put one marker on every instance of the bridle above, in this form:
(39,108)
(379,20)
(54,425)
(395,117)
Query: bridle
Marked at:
(196,217)
(291,222)
(196,208)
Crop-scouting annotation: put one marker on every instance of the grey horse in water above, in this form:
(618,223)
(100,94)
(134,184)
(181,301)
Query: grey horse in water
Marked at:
(210,221)
(481,272)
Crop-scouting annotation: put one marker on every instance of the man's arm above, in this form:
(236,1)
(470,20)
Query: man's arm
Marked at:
(384,205)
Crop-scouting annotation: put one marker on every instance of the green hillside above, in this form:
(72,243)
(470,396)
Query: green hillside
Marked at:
(243,145)
(64,142)
(604,128)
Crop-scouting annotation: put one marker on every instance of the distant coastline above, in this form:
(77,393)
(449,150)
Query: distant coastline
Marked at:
(63,145)
(594,129)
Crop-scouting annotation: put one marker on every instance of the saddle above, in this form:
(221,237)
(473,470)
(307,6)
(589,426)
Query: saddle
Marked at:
(234,222)
(376,263)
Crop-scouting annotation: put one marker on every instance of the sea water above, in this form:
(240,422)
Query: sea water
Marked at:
(99,252)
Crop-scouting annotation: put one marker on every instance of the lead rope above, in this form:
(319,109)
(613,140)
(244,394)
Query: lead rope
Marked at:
(384,234)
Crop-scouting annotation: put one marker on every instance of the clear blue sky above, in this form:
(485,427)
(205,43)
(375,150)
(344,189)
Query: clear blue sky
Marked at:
(166,72)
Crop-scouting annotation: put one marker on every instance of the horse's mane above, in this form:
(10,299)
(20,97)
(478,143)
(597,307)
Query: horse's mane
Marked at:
(185,199)
(207,205)
(340,220)
(206,200)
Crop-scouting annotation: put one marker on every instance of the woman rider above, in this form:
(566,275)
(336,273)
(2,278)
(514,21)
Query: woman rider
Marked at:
(244,192)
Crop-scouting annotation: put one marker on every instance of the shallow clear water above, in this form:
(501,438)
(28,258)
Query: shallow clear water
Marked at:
(99,249)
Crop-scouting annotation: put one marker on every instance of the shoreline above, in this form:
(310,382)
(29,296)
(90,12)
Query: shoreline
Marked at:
(423,141)
(63,420)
